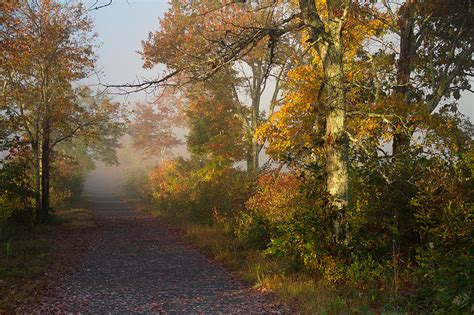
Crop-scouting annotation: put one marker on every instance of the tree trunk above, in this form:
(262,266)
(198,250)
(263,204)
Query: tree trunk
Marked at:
(249,160)
(336,139)
(255,156)
(253,163)
(45,167)
(37,174)
(255,148)
(326,38)
(253,160)
(401,138)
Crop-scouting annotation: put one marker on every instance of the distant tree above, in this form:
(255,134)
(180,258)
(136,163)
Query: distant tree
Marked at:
(153,123)
(193,34)
(215,129)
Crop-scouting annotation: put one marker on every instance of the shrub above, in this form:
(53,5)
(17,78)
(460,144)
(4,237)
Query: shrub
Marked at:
(136,185)
(205,192)
(444,220)
(16,194)
(277,197)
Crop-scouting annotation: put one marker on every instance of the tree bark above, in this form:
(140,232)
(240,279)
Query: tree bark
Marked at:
(253,161)
(258,81)
(326,38)
(336,142)
(401,139)
(37,174)
(45,168)
(45,163)
(336,139)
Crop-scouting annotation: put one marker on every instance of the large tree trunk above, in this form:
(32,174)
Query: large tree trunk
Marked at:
(401,139)
(326,38)
(336,138)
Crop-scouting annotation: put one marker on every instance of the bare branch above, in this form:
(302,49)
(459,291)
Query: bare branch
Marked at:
(97,7)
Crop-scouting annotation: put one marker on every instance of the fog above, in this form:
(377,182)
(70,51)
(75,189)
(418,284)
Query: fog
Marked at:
(103,181)
(109,179)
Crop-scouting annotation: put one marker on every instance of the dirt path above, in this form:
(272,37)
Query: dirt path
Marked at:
(138,265)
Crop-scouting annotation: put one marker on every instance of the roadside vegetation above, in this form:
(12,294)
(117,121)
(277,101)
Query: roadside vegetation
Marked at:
(51,131)
(51,127)
(365,201)
(267,237)
(33,257)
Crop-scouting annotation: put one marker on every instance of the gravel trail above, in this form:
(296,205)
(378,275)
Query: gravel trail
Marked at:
(138,265)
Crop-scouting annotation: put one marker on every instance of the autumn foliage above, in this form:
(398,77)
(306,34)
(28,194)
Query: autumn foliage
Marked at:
(367,185)
(354,99)
(52,127)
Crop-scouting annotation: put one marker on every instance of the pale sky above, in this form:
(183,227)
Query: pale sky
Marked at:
(121,28)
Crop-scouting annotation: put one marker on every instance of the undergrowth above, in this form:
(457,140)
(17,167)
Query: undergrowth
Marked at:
(303,292)
(30,255)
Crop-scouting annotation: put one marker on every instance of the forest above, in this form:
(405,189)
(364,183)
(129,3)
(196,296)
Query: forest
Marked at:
(326,159)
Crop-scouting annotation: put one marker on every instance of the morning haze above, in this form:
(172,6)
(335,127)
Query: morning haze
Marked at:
(236,157)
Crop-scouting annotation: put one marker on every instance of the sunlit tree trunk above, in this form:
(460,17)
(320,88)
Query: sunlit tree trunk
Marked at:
(327,40)
(336,143)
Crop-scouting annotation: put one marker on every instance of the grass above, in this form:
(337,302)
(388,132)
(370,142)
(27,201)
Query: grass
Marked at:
(304,293)
(31,256)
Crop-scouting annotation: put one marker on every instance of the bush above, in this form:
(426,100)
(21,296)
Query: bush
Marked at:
(206,193)
(292,226)
(67,182)
(444,220)
(276,199)
(136,185)
(16,194)
(444,282)
(253,230)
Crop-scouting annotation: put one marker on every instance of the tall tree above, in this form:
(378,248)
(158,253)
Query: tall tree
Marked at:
(325,34)
(194,33)
(322,23)
(46,46)
(435,48)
